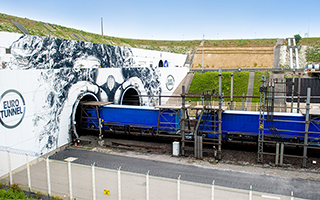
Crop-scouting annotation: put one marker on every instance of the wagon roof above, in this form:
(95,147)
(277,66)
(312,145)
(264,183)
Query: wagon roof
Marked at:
(311,112)
(174,107)
(96,103)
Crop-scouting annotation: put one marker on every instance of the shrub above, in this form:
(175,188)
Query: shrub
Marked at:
(11,194)
(297,37)
(15,187)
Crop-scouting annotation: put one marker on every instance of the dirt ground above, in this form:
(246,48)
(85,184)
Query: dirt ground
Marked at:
(234,57)
(234,160)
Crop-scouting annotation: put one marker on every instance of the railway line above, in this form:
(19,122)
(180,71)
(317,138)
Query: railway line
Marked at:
(268,133)
(235,152)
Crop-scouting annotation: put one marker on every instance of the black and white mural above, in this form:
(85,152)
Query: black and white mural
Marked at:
(57,73)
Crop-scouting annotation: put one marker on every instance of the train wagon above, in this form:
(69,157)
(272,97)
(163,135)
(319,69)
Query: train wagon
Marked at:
(136,118)
(284,126)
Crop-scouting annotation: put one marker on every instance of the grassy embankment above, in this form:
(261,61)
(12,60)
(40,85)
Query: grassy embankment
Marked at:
(206,81)
(175,46)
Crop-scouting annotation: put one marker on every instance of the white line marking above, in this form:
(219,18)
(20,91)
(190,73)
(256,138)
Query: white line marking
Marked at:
(270,197)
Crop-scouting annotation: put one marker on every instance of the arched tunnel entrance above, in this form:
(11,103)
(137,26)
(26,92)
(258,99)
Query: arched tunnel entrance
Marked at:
(78,113)
(131,97)
(80,127)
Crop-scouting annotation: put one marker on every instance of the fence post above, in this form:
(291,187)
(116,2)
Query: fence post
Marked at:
(48,176)
(28,173)
(93,182)
(119,183)
(178,188)
(292,198)
(212,191)
(147,186)
(250,193)
(70,180)
(9,166)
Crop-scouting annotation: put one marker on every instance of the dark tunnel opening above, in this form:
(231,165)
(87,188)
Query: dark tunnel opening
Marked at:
(131,97)
(78,115)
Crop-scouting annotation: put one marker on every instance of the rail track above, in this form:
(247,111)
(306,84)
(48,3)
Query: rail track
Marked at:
(233,152)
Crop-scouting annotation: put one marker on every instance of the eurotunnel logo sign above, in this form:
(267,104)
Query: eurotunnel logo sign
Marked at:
(12,108)
(170,82)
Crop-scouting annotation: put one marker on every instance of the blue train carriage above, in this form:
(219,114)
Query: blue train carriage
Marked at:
(245,125)
(314,126)
(136,119)
(282,126)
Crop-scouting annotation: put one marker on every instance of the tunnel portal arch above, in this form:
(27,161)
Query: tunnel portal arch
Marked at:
(76,115)
(131,97)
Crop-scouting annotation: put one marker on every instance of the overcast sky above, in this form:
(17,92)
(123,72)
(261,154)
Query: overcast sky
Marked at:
(177,19)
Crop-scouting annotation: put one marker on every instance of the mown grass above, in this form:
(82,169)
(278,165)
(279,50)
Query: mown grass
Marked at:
(314,41)
(203,82)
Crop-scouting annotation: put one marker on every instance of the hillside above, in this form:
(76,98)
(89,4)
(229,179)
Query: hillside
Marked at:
(217,53)
(182,46)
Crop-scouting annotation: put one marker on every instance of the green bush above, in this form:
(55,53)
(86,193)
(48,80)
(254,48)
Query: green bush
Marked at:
(15,187)
(12,194)
(297,37)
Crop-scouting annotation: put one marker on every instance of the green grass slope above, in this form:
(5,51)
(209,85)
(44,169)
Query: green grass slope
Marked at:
(203,82)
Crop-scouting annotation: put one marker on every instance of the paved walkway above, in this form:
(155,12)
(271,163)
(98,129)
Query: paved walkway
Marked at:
(237,180)
(196,182)
(276,54)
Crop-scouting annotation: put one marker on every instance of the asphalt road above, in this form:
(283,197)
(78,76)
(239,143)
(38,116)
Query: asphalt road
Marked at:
(262,183)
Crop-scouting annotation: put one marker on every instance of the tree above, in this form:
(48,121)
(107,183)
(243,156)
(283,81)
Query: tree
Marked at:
(297,37)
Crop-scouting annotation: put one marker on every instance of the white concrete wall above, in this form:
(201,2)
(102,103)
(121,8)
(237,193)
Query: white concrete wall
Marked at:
(50,75)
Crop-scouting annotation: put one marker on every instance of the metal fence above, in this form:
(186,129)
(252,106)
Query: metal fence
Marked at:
(74,181)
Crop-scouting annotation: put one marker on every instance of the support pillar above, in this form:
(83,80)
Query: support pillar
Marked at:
(263,91)
(219,113)
(277,154)
(231,98)
(306,130)
(100,142)
(198,139)
(299,91)
(281,153)
(183,111)
(293,77)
